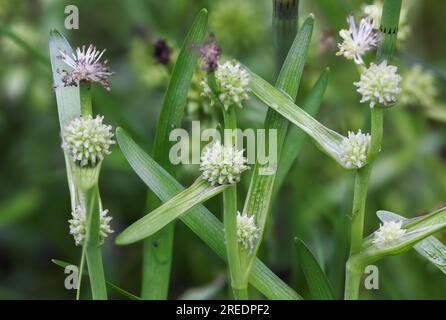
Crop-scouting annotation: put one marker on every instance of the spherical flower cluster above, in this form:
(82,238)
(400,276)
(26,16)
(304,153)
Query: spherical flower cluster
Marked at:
(354,150)
(388,233)
(247,231)
(418,87)
(87,140)
(222,164)
(358,40)
(232,84)
(78,225)
(375,10)
(379,84)
(86,66)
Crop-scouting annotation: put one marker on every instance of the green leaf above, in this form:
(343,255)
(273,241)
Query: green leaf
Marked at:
(416,229)
(258,200)
(196,194)
(327,140)
(199,219)
(111,285)
(156,271)
(430,248)
(68,98)
(295,138)
(317,282)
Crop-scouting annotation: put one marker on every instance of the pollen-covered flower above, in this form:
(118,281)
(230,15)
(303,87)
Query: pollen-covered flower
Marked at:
(232,85)
(86,66)
(355,149)
(388,233)
(87,140)
(247,231)
(418,87)
(78,225)
(357,40)
(222,164)
(379,84)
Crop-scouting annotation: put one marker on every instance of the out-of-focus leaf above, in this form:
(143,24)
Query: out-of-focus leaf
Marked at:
(154,221)
(430,248)
(206,292)
(18,206)
(317,281)
(111,285)
(199,219)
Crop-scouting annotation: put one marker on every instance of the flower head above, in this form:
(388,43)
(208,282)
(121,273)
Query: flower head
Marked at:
(379,84)
(357,41)
(78,225)
(418,87)
(87,140)
(222,164)
(355,149)
(388,233)
(210,53)
(161,51)
(232,85)
(86,66)
(247,231)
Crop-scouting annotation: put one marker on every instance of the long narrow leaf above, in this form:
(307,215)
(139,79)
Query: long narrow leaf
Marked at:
(258,200)
(295,137)
(430,248)
(200,220)
(317,282)
(416,230)
(156,273)
(196,194)
(328,140)
(68,98)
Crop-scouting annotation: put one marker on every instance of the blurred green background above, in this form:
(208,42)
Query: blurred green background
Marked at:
(315,202)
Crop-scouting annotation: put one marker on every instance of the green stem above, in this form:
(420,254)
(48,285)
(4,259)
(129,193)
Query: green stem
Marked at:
(92,244)
(239,286)
(85,98)
(284,27)
(386,50)
(353,271)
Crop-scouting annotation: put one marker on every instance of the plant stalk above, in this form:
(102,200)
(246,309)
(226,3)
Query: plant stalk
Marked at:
(386,51)
(92,244)
(85,98)
(239,286)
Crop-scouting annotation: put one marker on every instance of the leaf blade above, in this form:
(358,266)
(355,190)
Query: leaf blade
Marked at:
(318,283)
(154,221)
(200,220)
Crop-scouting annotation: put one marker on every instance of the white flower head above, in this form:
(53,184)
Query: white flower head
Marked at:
(86,65)
(355,149)
(232,84)
(222,164)
(358,40)
(78,225)
(379,84)
(388,233)
(418,87)
(247,231)
(87,140)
